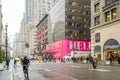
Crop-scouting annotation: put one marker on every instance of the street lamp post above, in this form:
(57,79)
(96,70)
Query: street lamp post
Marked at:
(6,40)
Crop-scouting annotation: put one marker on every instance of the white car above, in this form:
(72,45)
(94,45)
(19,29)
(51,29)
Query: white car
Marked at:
(67,58)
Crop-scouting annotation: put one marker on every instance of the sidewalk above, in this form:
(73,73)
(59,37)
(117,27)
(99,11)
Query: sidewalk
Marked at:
(33,74)
(6,74)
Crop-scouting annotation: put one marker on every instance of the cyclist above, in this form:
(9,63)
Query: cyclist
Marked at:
(25,63)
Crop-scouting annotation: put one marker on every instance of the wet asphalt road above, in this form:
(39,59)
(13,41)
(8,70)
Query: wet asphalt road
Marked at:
(68,71)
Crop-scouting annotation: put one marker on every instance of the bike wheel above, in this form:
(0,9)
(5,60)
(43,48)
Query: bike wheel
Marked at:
(26,73)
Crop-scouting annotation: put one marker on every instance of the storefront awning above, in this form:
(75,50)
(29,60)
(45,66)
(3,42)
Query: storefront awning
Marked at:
(111,44)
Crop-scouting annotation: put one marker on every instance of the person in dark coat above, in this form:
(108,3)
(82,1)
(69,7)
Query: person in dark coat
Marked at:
(7,62)
(119,59)
(111,59)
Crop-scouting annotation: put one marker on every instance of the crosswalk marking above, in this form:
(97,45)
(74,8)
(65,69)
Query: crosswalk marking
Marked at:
(47,70)
(76,66)
(102,70)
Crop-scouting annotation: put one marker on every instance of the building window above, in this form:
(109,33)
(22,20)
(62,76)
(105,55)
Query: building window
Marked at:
(113,13)
(69,9)
(107,16)
(110,15)
(75,10)
(97,20)
(69,23)
(97,7)
(97,37)
(69,16)
(109,2)
(68,2)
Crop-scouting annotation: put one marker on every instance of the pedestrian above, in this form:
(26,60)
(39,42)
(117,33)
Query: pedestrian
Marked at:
(7,62)
(111,59)
(94,62)
(119,59)
(21,60)
(87,59)
(15,61)
(90,59)
(81,59)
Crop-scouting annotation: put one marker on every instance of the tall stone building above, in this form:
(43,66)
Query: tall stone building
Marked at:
(67,20)
(29,8)
(16,51)
(105,23)
(70,19)
(41,8)
(25,30)
(22,38)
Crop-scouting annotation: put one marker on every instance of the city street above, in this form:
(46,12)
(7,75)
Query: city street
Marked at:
(63,39)
(67,71)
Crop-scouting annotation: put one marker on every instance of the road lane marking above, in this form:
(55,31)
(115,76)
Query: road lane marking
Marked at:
(73,78)
(76,66)
(47,70)
(102,70)
(60,74)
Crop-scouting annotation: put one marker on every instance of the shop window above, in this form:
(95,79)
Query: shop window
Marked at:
(97,20)
(107,16)
(114,13)
(97,7)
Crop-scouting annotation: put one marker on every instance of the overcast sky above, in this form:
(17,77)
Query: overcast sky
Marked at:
(12,14)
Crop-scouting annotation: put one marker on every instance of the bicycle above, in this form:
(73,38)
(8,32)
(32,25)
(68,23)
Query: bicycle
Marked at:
(26,71)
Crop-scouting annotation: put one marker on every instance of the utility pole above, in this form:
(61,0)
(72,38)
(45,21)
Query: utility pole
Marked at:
(6,40)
